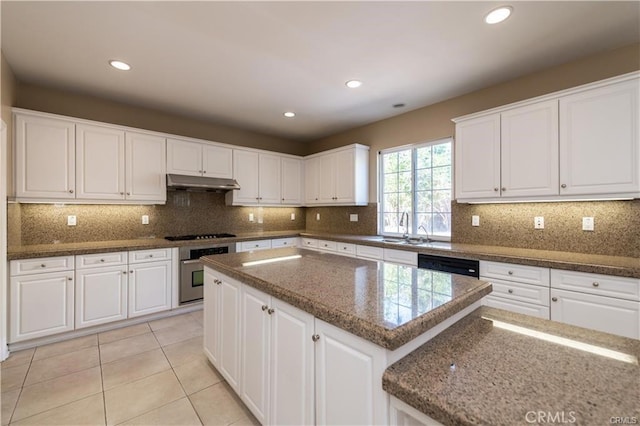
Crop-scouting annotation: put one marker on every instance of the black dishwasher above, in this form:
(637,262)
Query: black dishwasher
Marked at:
(467,267)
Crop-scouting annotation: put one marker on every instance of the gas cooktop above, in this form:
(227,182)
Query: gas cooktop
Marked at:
(198,237)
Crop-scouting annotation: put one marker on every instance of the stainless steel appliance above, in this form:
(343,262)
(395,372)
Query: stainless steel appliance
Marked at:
(191,269)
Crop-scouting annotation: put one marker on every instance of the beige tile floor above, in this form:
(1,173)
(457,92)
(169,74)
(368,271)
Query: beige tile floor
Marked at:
(148,374)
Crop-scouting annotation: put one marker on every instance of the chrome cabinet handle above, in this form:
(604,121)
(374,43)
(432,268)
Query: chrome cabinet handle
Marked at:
(555,299)
(270,311)
(70,278)
(204,172)
(71,191)
(315,337)
(217,281)
(496,189)
(510,272)
(503,189)
(150,255)
(564,185)
(128,193)
(510,291)
(124,272)
(101,260)
(131,272)
(122,193)
(265,307)
(43,266)
(596,284)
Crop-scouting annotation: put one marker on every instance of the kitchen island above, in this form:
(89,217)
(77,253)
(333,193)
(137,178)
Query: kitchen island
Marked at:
(305,336)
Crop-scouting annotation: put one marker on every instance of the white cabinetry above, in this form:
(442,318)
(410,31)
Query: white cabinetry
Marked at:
(253,245)
(599,302)
(101,288)
(600,141)
(401,414)
(45,158)
(199,159)
(146,168)
(517,288)
(100,162)
(338,177)
(260,178)
(581,143)
(284,242)
(41,297)
(292,181)
(348,372)
(400,256)
(149,281)
(508,154)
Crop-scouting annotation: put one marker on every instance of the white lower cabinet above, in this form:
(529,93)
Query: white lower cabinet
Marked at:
(402,414)
(101,295)
(149,282)
(348,378)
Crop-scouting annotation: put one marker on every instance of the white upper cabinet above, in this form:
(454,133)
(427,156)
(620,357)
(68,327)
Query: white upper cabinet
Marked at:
(581,143)
(146,168)
(266,179)
(199,159)
(45,150)
(100,162)
(338,177)
(600,141)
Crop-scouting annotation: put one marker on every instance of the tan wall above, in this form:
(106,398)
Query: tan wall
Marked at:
(55,101)
(8,94)
(434,122)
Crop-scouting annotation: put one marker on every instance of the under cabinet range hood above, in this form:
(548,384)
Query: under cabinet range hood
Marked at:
(200,183)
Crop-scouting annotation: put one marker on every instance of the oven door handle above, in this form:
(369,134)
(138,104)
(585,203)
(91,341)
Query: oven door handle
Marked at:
(189,262)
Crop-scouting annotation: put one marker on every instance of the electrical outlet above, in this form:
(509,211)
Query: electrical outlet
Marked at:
(538,222)
(293,216)
(588,224)
(353,217)
(72,220)
(317,216)
(250,217)
(145,219)
(475,220)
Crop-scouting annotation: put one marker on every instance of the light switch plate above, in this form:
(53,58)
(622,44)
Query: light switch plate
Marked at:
(588,224)
(145,219)
(293,216)
(475,220)
(353,217)
(72,220)
(538,222)
(250,217)
(317,216)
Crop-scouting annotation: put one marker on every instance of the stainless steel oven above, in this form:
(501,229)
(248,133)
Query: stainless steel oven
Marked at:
(191,269)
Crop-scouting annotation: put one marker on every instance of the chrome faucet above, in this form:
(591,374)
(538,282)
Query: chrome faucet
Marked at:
(405,224)
(426,232)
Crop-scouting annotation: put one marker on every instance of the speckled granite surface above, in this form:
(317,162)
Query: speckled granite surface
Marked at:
(500,375)
(597,264)
(386,304)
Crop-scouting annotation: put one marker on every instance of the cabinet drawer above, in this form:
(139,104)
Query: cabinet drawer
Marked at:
(255,245)
(368,252)
(517,291)
(401,256)
(309,243)
(520,273)
(40,265)
(346,249)
(101,259)
(516,306)
(284,242)
(140,256)
(327,245)
(603,285)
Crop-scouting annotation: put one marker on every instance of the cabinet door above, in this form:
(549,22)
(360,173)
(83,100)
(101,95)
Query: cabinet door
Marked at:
(41,305)
(311,180)
(600,141)
(477,158)
(245,170)
(345,176)
(229,335)
(255,360)
(217,161)
(184,157)
(292,366)
(99,163)
(211,314)
(45,157)
(530,150)
(146,168)
(269,180)
(348,376)
(327,179)
(101,295)
(292,181)
(616,316)
(149,288)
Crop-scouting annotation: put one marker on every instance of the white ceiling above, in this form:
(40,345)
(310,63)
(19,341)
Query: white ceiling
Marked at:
(245,63)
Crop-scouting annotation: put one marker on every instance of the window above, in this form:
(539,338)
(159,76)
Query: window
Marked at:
(417,180)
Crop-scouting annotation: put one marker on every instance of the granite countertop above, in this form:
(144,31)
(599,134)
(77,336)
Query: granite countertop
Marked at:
(384,303)
(479,372)
(593,263)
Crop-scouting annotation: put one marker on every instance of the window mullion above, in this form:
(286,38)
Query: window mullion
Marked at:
(414,197)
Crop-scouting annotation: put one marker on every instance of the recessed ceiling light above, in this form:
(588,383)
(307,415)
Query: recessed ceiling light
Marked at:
(498,15)
(352,84)
(122,66)
(289,114)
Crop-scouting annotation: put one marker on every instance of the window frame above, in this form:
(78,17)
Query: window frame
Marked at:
(414,214)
